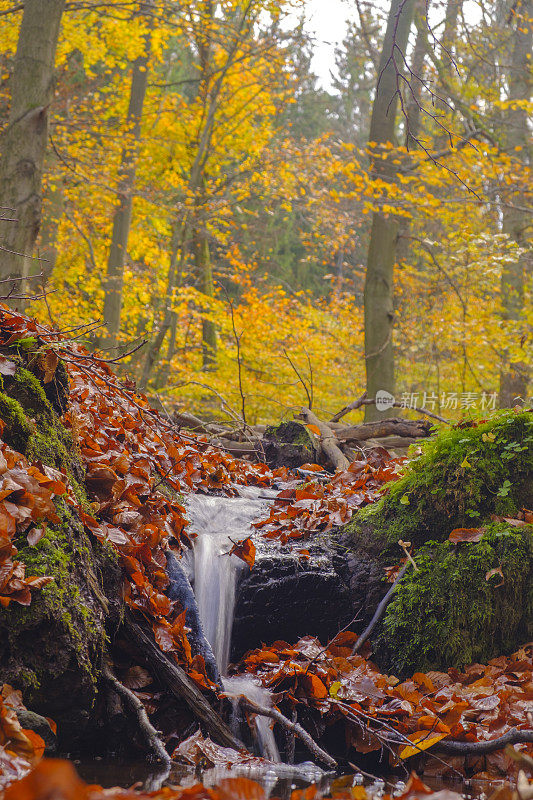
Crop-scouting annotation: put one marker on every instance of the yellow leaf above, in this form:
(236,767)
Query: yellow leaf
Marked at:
(421,741)
(334,688)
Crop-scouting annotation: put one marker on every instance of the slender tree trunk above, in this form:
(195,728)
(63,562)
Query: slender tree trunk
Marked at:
(204,270)
(114,279)
(47,244)
(378,292)
(514,376)
(24,141)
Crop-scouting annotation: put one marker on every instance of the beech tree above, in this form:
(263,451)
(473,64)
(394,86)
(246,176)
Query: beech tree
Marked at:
(24,141)
(514,378)
(378,293)
(114,280)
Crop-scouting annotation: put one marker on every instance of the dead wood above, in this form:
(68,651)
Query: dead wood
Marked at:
(236,448)
(385,427)
(135,707)
(450,747)
(380,610)
(365,401)
(327,440)
(353,406)
(293,727)
(178,683)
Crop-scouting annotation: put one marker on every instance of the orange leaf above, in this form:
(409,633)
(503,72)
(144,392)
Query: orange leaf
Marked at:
(244,550)
(314,429)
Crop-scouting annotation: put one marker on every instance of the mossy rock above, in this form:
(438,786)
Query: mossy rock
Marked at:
(53,649)
(462,477)
(288,445)
(458,608)
(447,614)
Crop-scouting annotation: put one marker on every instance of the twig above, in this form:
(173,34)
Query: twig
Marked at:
(353,406)
(304,384)
(154,743)
(379,610)
(293,727)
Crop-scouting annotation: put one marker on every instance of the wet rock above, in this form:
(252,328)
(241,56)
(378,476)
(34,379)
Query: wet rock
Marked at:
(286,596)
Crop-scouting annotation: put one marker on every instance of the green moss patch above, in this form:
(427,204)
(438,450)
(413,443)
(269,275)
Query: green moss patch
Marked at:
(453,611)
(33,428)
(463,475)
(53,648)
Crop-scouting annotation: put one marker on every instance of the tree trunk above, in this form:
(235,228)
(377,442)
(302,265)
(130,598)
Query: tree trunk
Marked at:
(378,293)
(514,376)
(114,280)
(24,141)
(202,258)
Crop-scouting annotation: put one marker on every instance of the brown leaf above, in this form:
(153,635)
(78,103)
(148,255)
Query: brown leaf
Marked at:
(495,571)
(49,362)
(466,535)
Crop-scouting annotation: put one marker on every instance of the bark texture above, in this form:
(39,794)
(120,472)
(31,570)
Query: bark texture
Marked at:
(514,378)
(114,280)
(24,141)
(378,293)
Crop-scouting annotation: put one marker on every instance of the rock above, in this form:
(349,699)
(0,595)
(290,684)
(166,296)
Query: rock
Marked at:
(35,722)
(288,445)
(286,596)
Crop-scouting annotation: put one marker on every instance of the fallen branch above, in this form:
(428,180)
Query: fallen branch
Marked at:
(133,704)
(379,610)
(385,427)
(327,439)
(452,747)
(514,736)
(178,683)
(292,727)
(365,401)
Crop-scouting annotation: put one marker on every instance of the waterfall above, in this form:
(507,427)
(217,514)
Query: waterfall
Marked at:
(219,521)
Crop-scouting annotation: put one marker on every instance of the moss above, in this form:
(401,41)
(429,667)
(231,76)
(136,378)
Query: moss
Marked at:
(65,554)
(52,649)
(449,613)
(463,475)
(34,429)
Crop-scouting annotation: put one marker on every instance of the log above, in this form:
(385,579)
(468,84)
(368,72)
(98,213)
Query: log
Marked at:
(328,443)
(178,683)
(386,427)
(187,420)
(235,448)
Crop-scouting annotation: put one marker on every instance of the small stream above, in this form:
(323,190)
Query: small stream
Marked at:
(219,522)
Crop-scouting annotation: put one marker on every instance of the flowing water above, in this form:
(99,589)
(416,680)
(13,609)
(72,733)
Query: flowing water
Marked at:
(219,522)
